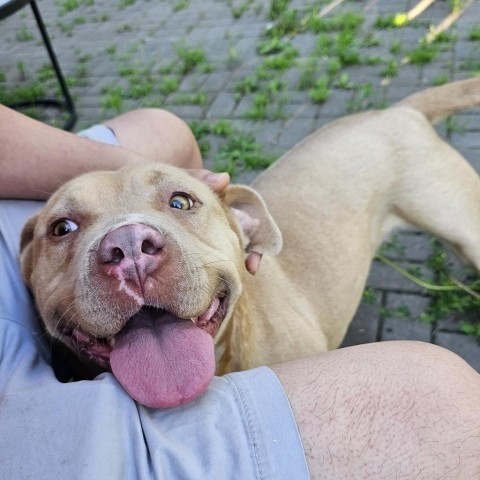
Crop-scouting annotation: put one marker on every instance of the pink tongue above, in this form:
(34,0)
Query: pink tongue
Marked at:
(163,362)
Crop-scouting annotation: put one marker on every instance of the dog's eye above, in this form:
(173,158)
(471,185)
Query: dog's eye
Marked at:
(181,201)
(63,227)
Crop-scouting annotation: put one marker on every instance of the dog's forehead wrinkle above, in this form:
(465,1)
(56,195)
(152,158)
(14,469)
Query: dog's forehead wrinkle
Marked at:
(83,196)
(70,206)
(154,177)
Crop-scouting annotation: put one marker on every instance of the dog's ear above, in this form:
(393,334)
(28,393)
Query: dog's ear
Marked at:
(260,231)
(26,253)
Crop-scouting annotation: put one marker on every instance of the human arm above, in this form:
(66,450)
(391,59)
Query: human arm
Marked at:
(35,158)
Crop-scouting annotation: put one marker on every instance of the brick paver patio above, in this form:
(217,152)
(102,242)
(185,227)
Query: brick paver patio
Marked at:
(98,41)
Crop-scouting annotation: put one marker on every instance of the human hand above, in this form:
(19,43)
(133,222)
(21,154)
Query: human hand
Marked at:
(252,263)
(218,182)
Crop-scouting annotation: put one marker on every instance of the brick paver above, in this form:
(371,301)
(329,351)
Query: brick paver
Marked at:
(98,38)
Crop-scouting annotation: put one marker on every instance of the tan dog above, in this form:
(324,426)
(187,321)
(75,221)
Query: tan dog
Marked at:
(138,269)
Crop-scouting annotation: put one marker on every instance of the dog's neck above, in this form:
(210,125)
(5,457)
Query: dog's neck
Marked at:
(234,343)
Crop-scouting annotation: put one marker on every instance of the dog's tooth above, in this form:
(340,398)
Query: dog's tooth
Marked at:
(111,342)
(208,314)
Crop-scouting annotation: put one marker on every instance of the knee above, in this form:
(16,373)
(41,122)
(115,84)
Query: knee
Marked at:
(173,134)
(157,135)
(431,363)
(160,119)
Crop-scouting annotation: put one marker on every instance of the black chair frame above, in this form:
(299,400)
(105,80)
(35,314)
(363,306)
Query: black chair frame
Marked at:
(67,104)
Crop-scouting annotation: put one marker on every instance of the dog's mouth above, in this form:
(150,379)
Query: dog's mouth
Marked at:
(160,359)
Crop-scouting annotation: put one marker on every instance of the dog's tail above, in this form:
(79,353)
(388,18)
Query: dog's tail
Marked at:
(437,103)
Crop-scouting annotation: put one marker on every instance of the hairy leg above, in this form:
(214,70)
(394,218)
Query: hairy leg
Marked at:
(386,410)
(157,135)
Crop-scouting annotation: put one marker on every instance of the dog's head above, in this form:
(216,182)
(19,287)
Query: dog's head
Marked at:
(138,268)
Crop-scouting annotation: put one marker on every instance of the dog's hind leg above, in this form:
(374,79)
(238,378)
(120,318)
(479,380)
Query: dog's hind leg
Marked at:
(440,193)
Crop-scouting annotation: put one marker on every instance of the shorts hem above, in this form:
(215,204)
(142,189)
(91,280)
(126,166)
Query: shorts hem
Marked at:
(274,437)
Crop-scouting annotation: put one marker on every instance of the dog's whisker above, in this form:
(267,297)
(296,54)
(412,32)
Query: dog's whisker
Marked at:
(64,314)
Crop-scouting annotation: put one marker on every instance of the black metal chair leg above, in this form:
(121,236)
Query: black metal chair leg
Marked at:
(67,103)
(61,79)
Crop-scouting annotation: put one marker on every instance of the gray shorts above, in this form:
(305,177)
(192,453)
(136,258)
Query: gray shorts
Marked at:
(100,133)
(242,427)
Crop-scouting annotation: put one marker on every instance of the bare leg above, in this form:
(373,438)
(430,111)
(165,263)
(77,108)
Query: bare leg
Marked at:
(386,410)
(157,135)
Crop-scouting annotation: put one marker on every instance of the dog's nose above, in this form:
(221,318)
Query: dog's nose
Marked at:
(131,252)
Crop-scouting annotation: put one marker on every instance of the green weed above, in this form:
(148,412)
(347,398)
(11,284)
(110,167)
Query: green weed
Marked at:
(286,24)
(423,54)
(441,80)
(66,28)
(237,151)
(111,50)
(201,130)
(471,64)
(168,85)
(113,99)
(400,312)
(24,93)
(324,44)
(321,91)
(474,33)
(308,74)
(102,18)
(222,128)
(344,82)
(271,46)
(22,74)
(66,6)
(344,48)
(45,73)
(369,296)
(239,10)
(125,3)
(241,151)
(281,61)
(267,102)
(390,70)
(334,66)
(361,99)
(190,58)
(386,21)
(371,60)
(180,5)
(124,28)
(392,246)
(445,37)
(247,85)
(198,98)
(233,59)
(83,57)
(454,126)
(456,5)
(446,303)
(24,34)
(348,21)
(370,41)
(277,8)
